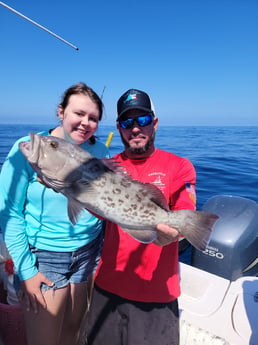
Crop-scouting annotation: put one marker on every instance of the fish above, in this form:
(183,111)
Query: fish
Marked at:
(104,188)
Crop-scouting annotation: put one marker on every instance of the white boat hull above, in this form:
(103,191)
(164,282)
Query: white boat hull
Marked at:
(216,311)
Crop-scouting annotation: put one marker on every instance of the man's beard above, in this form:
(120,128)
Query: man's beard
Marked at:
(139,150)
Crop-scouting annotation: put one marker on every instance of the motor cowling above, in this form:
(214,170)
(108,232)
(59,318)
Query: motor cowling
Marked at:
(232,251)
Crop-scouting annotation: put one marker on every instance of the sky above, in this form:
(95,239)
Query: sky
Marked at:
(197,59)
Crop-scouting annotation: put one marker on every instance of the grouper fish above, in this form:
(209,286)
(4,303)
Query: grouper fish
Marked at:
(105,189)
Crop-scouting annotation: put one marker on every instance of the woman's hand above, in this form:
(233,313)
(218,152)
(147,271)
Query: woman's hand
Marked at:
(31,296)
(165,235)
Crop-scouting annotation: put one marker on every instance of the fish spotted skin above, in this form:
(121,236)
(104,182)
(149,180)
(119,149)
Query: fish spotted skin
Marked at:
(106,190)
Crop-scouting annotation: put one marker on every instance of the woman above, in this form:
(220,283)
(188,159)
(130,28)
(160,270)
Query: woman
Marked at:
(53,258)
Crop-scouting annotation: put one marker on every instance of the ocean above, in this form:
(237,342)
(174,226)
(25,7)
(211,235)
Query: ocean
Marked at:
(225,158)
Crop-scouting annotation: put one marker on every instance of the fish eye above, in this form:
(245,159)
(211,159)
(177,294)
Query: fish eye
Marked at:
(53,144)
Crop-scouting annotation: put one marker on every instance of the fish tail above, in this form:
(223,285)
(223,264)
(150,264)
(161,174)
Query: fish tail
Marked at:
(195,226)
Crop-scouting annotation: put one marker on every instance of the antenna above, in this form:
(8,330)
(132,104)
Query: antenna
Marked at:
(38,25)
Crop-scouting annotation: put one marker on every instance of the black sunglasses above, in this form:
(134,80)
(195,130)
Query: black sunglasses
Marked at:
(142,121)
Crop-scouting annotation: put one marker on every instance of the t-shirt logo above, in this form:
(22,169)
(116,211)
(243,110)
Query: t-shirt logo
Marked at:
(158,181)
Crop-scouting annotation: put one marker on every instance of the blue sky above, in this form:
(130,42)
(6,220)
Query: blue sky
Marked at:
(198,59)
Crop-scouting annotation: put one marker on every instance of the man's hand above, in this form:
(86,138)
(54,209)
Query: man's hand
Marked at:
(165,235)
(31,296)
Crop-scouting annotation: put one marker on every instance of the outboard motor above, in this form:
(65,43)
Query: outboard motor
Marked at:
(233,248)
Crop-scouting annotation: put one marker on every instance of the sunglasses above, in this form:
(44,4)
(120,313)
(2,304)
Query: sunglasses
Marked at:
(142,121)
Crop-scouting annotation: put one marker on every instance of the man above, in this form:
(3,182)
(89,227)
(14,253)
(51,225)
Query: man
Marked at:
(137,285)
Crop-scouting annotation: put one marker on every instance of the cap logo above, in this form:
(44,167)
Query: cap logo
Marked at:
(130,97)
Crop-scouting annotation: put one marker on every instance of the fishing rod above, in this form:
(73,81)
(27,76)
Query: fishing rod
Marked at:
(38,25)
(109,139)
(104,88)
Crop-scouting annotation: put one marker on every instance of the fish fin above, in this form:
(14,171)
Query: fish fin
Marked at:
(115,166)
(196,226)
(144,236)
(74,209)
(156,195)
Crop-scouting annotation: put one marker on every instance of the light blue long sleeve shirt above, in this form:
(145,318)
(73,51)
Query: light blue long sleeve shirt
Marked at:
(33,214)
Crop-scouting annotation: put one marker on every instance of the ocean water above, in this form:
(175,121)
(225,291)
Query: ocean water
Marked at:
(225,158)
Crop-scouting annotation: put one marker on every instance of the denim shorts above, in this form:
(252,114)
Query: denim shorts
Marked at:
(63,268)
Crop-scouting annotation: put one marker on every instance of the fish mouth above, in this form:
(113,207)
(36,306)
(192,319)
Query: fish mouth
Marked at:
(30,148)
(32,136)
(34,147)
(24,146)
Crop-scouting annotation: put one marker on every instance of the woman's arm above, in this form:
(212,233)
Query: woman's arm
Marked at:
(14,180)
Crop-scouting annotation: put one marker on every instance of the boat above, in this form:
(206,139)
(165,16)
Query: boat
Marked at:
(219,290)
(218,304)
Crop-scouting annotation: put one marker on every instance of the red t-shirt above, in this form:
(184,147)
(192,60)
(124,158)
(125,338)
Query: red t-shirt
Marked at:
(147,272)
